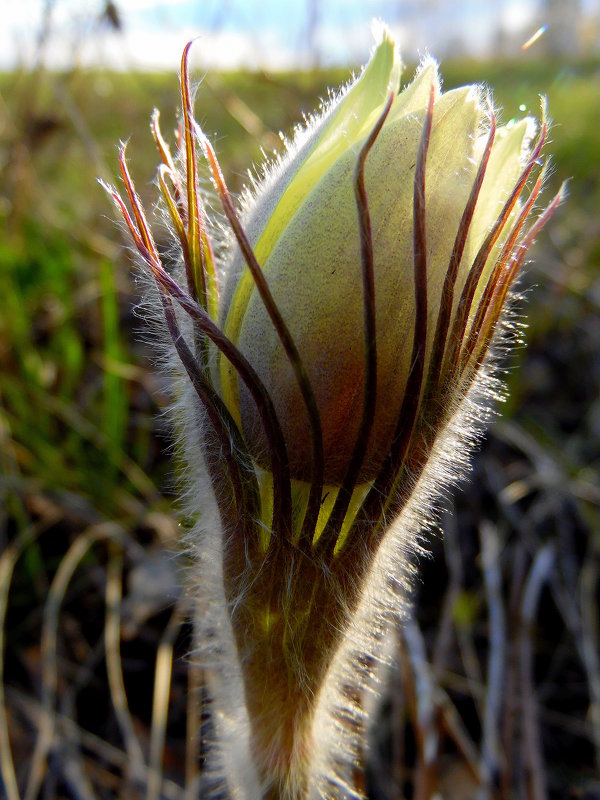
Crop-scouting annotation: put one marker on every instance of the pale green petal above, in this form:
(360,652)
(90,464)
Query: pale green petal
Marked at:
(315,275)
(504,167)
(350,121)
(415,97)
(503,171)
(451,171)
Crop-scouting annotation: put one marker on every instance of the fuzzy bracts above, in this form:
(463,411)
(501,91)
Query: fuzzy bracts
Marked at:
(329,347)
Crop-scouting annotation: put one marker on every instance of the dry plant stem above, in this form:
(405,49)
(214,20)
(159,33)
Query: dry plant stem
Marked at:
(56,594)
(453,725)
(575,598)
(539,575)
(450,719)
(425,711)
(160,703)
(72,770)
(101,751)
(509,726)
(7,565)
(490,749)
(70,754)
(112,640)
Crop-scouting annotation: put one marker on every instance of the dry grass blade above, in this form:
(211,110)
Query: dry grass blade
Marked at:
(539,575)
(74,769)
(56,594)
(454,727)
(102,752)
(160,701)
(490,746)
(425,722)
(7,565)
(112,638)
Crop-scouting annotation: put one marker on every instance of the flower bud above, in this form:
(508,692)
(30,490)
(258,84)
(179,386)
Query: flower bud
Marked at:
(334,381)
(305,234)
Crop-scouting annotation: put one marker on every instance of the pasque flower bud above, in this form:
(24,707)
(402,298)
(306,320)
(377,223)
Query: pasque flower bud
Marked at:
(335,349)
(305,235)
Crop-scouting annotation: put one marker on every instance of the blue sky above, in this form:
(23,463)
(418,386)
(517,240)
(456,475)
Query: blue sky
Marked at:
(270,33)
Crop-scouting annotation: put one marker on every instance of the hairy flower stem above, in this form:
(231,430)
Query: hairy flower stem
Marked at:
(286,640)
(286,643)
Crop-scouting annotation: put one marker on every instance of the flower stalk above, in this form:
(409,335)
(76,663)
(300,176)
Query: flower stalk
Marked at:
(335,343)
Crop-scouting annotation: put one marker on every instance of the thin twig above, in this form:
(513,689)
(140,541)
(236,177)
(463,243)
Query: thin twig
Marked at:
(455,727)
(103,751)
(7,565)
(160,702)
(539,575)
(426,730)
(509,725)
(490,745)
(112,639)
(49,639)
